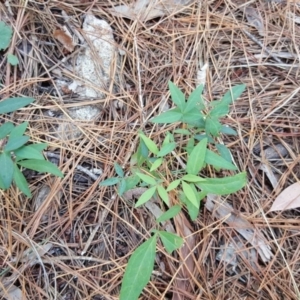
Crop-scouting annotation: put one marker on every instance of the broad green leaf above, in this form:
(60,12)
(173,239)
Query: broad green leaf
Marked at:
(146,196)
(43,166)
(228,130)
(5,34)
(173,185)
(170,241)
(234,93)
(110,181)
(149,143)
(163,194)
(190,145)
(146,178)
(7,169)
(219,110)
(119,169)
(40,146)
(192,178)
(166,149)
(5,129)
(212,126)
(19,130)
(14,143)
(196,158)
(12,104)
(169,214)
(191,117)
(177,96)
(131,182)
(28,152)
(2,187)
(122,187)
(189,193)
(157,163)
(192,209)
(195,100)
(223,186)
(20,182)
(12,59)
(200,137)
(138,270)
(224,151)
(217,161)
(170,116)
(182,131)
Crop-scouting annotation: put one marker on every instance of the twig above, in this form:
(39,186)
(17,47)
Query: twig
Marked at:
(78,167)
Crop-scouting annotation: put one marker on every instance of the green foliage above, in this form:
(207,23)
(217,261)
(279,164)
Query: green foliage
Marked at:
(152,169)
(14,151)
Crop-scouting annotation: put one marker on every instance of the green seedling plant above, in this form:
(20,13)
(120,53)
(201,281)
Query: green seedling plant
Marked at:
(15,152)
(196,140)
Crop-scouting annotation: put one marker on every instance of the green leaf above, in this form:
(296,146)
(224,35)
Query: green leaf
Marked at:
(192,209)
(122,187)
(7,169)
(42,166)
(195,100)
(163,194)
(157,163)
(169,214)
(191,117)
(166,149)
(28,152)
(224,151)
(19,130)
(5,129)
(119,169)
(219,110)
(217,161)
(196,158)
(15,143)
(138,270)
(146,196)
(228,130)
(170,241)
(12,59)
(12,104)
(177,96)
(192,178)
(170,116)
(223,186)
(189,193)
(234,93)
(149,143)
(20,182)
(212,126)
(182,131)
(190,145)
(5,34)
(131,182)
(146,178)
(110,181)
(39,147)
(173,185)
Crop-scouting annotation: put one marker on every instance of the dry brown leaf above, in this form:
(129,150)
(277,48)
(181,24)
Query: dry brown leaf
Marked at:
(223,210)
(64,38)
(254,19)
(288,198)
(13,293)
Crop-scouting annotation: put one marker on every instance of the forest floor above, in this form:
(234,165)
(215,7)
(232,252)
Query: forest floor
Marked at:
(73,238)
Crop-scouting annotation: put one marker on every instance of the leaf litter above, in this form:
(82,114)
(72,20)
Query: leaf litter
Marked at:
(170,47)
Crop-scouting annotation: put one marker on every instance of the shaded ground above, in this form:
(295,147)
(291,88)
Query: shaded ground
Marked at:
(90,231)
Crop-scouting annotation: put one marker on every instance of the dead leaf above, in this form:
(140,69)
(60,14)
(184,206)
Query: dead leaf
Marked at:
(222,210)
(65,38)
(288,198)
(254,19)
(146,10)
(13,293)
